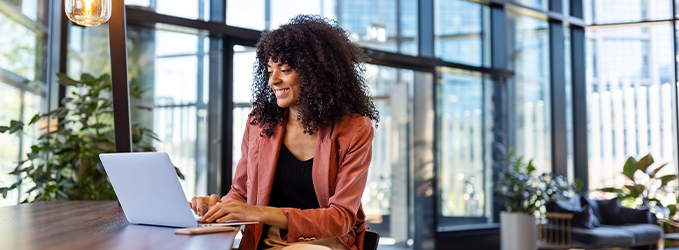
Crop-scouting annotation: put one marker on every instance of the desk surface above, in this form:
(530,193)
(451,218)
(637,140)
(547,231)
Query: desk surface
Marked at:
(91,225)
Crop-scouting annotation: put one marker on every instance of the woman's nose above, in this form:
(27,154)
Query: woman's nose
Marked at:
(273,78)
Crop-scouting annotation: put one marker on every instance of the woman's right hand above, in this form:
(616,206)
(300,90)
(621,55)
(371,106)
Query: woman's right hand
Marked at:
(200,205)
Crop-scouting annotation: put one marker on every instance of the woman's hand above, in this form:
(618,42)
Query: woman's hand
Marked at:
(233,210)
(201,205)
(236,210)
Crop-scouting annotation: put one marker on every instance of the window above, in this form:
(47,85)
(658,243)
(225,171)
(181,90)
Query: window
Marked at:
(529,90)
(385,198)
(625,11)
(246,14)
(243,62)
(535,4)
(173,68)
(465,128)
(22,84)
(191,9)
(459,31)
(376,24)
(630,111)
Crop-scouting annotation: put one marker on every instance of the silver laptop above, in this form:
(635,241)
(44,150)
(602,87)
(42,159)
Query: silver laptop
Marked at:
(149,192)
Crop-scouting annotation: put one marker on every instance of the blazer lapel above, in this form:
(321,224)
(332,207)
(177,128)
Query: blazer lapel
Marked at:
(269,149)
(323,156)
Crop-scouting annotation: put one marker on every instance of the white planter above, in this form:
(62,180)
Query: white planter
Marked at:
(518,231)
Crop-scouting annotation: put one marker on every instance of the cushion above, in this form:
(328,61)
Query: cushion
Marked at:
(610,212)
(584,199)
(601,237)
(635,216)
(582,216)
(644,234)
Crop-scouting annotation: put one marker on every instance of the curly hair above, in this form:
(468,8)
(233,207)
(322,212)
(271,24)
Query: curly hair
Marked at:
(330,69)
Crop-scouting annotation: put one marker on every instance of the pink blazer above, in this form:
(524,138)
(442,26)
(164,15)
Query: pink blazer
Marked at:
(340,173)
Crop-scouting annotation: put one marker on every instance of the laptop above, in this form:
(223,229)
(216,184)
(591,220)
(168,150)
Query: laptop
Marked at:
(149,192)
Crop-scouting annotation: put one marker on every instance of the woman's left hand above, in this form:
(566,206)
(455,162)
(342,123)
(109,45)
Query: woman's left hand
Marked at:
(232,210)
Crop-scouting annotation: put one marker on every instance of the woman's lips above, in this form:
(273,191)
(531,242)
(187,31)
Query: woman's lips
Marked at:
(281,92)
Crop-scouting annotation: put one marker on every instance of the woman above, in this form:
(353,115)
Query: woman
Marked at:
(307,144)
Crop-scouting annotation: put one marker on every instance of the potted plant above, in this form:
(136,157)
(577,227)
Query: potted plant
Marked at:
(646,186)
(64,163)
(523,192)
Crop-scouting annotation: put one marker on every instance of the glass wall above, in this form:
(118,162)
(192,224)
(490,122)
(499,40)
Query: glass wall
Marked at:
(529,90)
(175,99)
(22,87)
(465,140)
(626,11)
(243,64)
(191,9)
(630,100)
(388,25)
(459,31)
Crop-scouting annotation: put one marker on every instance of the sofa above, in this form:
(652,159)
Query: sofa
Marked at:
(600,224)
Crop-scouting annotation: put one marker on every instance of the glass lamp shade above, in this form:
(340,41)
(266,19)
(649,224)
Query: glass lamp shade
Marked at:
(88,12)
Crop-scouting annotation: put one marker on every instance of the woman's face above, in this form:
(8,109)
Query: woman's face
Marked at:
(284,81)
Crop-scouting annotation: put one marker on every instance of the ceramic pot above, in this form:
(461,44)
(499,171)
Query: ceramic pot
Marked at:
(518,231)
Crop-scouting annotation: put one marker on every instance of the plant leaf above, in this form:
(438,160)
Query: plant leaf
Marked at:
(630,168)
(87,79)
(636,190)
(673,209)
(611,190)
(35,119)
(656,170)
(144,107)
(3,129)
(66,81)
(179,173)
(66,100)
(667,178)
(645,162)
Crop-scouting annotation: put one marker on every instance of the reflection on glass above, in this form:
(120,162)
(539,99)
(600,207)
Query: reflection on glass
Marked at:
(21,72)
(385,198)
(18,105)
(464,182)
(535,4)
(629,96)
(530,94)
(191,9)
(459,31)
(18,48)
(243,63)
(372,23)
(246,14)
(172,68)
(624,11)
(10,100)
(282,11)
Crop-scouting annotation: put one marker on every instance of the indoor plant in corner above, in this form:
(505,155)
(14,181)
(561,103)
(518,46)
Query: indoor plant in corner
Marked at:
(523,192)
(64,163)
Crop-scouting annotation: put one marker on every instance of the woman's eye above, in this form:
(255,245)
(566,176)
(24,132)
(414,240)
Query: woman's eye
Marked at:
(285,71)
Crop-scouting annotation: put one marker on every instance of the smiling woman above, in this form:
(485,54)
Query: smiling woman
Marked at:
(307,144)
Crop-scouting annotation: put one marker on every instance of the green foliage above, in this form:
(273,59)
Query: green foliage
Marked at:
(520,189)
(644,188)
(64,163)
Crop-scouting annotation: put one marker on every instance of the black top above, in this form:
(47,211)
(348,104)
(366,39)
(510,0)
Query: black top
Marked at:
(293,186)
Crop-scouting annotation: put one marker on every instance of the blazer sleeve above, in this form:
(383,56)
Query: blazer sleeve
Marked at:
(340,217)
(239,186)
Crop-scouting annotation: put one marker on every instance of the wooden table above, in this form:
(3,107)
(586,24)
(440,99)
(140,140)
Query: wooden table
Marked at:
(91,225)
